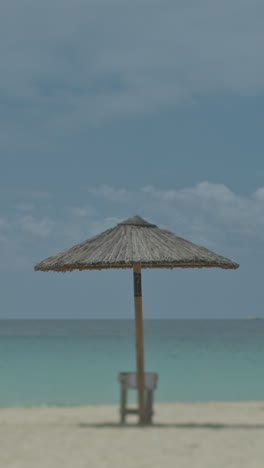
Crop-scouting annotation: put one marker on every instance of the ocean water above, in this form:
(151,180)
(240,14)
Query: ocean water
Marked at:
(73,362)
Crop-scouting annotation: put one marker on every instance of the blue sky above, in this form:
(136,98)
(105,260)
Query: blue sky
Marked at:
(113,108)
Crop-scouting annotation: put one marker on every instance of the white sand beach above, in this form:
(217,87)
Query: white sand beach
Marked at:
(197,435)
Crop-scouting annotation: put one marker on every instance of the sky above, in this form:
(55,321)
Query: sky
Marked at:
(113,108)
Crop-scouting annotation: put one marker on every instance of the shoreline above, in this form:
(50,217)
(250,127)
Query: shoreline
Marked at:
(133,404)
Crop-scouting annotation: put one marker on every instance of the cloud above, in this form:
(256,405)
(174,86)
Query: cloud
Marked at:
(4,224)
(26,238)
(41,228)
(82,211)
(207,213)
(259,194)
(73,63)
(25,207)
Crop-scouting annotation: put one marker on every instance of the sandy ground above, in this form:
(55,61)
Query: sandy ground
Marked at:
(199,435)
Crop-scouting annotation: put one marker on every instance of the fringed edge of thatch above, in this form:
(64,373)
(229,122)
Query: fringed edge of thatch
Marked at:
(232,266)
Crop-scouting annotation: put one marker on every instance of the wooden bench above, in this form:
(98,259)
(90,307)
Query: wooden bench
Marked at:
(128,380)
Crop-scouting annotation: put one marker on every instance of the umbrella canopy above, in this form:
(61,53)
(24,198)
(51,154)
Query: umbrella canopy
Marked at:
(135,243)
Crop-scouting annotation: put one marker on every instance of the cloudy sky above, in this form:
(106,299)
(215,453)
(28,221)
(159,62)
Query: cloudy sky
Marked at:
(111,108)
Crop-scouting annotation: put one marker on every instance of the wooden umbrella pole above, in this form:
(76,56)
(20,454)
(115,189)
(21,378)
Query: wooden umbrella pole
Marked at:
(139,341)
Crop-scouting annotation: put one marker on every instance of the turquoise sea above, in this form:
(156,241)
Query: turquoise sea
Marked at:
(73,362)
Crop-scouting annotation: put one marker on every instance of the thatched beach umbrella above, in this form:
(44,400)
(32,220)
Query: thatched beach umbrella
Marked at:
(136,244)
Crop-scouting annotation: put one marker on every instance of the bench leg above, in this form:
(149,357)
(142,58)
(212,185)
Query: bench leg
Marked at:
(123,402)
(149,405)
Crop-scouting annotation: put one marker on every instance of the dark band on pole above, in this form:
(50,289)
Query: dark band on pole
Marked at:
(137,285)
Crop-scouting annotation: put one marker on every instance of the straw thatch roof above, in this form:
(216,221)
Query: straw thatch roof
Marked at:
(134,241)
